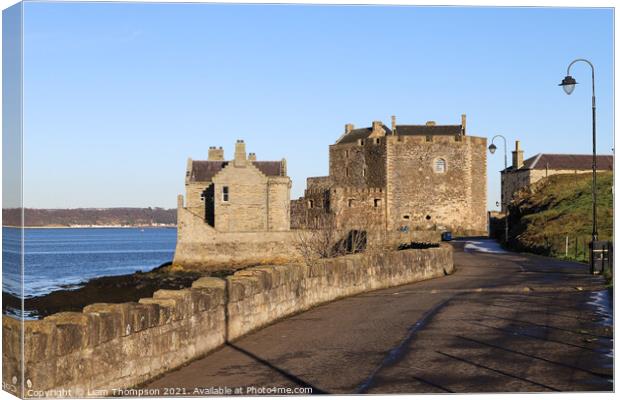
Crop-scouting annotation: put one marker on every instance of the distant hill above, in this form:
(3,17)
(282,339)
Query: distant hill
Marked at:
(557,207)
(91,217)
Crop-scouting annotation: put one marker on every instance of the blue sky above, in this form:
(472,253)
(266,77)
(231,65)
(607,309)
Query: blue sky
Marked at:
(117,96)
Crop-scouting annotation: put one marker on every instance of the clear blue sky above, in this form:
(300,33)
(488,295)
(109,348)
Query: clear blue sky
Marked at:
(117,96)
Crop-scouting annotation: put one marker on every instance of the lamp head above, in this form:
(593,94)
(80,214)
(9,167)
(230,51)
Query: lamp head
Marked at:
(568,84)
(492,148)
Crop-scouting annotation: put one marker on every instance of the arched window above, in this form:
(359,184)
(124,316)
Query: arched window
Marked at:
(440,165)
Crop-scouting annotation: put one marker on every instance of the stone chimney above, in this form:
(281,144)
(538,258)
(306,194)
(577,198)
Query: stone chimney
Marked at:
(240,151)
(188,170)
(252,156)
(216,154)
(517,156)
(348,128)
(463,124)
(431,123)
(377,129)
(283,165)
(393,123)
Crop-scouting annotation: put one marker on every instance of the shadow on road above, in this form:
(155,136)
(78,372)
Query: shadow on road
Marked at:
(294,379)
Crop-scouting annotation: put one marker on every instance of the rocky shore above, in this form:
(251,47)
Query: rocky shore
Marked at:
(108,289)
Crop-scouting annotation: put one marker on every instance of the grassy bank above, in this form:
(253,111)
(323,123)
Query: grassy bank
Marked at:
(554,216)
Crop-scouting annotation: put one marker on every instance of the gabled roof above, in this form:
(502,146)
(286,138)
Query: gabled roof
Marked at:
(360,133)
(403,130)
(567,162)
(204,171)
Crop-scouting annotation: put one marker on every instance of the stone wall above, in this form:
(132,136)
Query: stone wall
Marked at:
(110,346)
(359,165)
(246,207)
(258,296)
(514,181)
(419,198)
(113,346)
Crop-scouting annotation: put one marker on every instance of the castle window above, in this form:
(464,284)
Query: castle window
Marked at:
(360,142)
(428,217)
(346,153)
(377,140)
(351,202)
(440,165)
(310,203)
(346,172)
(406,216)
(225,193)
(377,202)
(364,171)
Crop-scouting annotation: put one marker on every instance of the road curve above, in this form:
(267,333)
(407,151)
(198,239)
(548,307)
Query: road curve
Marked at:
(503,322)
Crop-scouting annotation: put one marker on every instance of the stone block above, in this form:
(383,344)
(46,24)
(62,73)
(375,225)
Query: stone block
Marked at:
(71,332)
(165,307)
(182,299)
(122,309)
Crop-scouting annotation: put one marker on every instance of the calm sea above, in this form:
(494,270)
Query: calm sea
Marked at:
(65,258)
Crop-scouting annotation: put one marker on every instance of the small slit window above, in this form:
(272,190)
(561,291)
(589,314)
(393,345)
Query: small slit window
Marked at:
(406,217)
(351,202)
(440,165)
(310,203)
(225,193)
(377,202)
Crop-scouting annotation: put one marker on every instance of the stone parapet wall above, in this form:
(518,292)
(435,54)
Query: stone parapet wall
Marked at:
(261,295)
(114,346)
(117,346)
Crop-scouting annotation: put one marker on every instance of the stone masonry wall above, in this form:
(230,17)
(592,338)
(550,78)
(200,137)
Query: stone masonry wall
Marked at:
(420,199)
(246,208)
(110,346)
(359,165)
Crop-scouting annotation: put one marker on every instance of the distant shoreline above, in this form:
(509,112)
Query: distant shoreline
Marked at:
(90,226)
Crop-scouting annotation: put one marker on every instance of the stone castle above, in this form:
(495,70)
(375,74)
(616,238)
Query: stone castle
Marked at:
(234,212)
(407,182)
(400,180)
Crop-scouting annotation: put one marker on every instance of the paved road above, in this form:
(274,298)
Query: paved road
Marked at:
(503,322)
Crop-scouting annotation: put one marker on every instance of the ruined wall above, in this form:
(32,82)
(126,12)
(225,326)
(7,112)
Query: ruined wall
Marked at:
(514,181)
(123,345)
(193,193)
(418,198)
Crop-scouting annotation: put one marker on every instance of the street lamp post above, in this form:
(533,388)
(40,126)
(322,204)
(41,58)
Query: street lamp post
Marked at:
(568,84)
(492,149)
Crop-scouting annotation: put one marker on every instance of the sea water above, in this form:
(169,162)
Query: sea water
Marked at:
(65,258)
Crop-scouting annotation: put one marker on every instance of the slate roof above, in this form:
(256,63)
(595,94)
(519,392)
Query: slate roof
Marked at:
(360,133)
(428,130)
(403,130)
(567,162)
(204,171)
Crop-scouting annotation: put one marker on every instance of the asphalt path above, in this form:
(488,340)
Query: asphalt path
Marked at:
(503,322)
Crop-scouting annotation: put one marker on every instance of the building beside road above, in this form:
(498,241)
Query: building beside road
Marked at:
(522,173)
(400,180)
